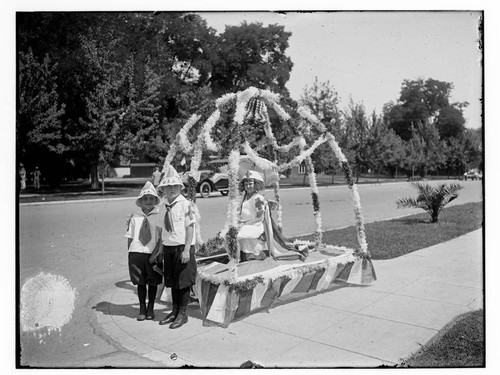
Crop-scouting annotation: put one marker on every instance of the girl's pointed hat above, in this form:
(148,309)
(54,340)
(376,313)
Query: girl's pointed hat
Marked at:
(171,178)
(148,188)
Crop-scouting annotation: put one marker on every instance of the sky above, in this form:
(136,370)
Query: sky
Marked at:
(367,55)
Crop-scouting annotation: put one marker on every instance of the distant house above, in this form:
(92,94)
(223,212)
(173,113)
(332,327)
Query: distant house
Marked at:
(141,166)
(138,167)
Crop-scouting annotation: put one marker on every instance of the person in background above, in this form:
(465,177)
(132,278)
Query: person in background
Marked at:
(156,177)
(143,238)
(36,178)
(22,176)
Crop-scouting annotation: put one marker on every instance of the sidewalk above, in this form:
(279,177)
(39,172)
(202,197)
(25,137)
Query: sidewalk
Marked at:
(414,297)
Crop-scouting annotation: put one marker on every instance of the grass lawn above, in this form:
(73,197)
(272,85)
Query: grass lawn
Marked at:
(393,238)
(459,344)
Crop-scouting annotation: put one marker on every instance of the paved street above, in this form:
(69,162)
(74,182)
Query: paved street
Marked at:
(84,242)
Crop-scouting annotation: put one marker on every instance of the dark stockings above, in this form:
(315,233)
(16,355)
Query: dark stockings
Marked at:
(180,297)
(142,290)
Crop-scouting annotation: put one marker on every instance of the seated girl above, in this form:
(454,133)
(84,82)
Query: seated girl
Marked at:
(258,238)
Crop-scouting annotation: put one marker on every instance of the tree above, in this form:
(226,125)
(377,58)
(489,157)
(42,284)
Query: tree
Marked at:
(450,123)
(384,149)
(251,55)
(39,109)
(356,136)
(425,101)
(322,100)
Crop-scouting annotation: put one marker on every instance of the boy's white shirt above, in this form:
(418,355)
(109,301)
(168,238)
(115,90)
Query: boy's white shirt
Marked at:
(182,217)
(134,228)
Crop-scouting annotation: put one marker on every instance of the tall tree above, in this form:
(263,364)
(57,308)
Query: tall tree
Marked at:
(357,130)
(322,100)
(39,110)
(251,55)
(425,101)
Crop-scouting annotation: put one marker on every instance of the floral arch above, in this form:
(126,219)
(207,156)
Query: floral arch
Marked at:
(253,104)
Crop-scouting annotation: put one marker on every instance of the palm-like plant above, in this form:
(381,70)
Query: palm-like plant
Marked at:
(431,199)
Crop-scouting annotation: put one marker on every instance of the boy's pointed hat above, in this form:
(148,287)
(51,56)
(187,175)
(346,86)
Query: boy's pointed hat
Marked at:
(171,178)
(148,188)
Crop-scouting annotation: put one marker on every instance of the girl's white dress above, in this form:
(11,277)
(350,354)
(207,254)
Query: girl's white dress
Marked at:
(251,237)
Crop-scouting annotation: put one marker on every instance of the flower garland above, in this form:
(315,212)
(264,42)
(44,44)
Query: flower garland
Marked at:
(231,228)
(360,227)
(244,286)
(335,147)
(242,99)
(279,209)
(306,114)
(224,102)
(182,139)
(207,128)
(181,142)
(303,155)
(197,154)
(318,234)
(273,100)
(248,283)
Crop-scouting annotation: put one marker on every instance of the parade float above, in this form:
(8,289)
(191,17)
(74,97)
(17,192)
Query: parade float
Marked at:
(226,288)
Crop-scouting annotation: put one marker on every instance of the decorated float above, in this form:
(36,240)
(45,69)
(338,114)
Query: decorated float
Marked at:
(227,288)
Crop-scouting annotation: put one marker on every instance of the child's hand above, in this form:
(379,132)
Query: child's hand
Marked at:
(185,256)
(152,259)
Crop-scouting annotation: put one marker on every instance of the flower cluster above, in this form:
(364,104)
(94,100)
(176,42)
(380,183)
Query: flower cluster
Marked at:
(232,242)
(191,188)
(244,286)
(214,245)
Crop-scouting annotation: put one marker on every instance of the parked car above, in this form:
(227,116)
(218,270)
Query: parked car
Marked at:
(473,174)
(213,179)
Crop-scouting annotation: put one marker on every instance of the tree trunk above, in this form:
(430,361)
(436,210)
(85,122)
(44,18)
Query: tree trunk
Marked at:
(333,178)
(396,174)
(94,176)
(102,185)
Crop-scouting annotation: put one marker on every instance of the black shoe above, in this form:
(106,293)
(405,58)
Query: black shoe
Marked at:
(170,317)
(142,312)
(181,318)
(150,314)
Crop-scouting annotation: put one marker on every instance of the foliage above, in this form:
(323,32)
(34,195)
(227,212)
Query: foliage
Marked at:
(425,101)
(322,100)
(430,198)
(357,129)
(39,108)
(251,55)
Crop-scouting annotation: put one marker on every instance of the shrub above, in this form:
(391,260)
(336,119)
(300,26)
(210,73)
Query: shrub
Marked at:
(431,199)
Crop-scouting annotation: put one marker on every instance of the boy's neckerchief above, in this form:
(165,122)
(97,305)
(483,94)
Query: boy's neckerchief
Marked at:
(168,217)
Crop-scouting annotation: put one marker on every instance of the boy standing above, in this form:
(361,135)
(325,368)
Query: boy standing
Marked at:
(177,221)
(142,240)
